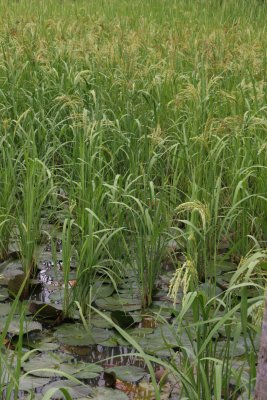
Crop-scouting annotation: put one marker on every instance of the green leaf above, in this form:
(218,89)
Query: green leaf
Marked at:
(14,326)
(43,311)
(87,371)
(102,393)
(4,309)
(28,383)
(77,335)
(40,342)
(127,373)
(58,363)
(38,364)
(117,303)
(101,290)
(74,390)
(3,294)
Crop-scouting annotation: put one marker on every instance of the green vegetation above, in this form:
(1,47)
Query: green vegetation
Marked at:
(135,132)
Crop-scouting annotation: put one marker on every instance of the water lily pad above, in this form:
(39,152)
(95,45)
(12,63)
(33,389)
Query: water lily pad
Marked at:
(167,332)
(140,332)
(40,342)
(57,296)
(100,322)
(207,287)
(127,373)
(225,266)
(164,309)
(5,309)
(77,335)
(45,311)
(3,294)
(126,291)
(87,371)
(10,270)
(6,278)
(75,390)
(28,383)
(102,393)
(102,290)
(14,285)
(15,326)
(115,340)
(253,292)
(236,350)
(116,302)
(160,342)
(155,346)
(77,350)
(130,294)
(38,365)
(8,367)
(78,370)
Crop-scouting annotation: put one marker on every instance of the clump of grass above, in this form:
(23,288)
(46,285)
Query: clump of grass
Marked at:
(8,183)
(34,189)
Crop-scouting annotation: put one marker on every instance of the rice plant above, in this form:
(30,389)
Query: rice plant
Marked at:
(128,126)
(34,189)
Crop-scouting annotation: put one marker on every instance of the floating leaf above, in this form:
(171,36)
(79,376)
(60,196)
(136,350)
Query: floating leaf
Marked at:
(28,383)
(235,349)
(207,288)
(77,335)
(225,266)
(77,350)
(75,390)
(115,340)
(5,309)
(87,371)
(99,322)
(15,283)
(10,270)
(42,343)
(45,311)
(127,373)
(155,346)
(160,342)
(140,332)
(163,308)
(14,326)
(8,366)
(3,294)
(101,290)
(38,365)
(126,290)
(57,296)
(102,393)
(116,303)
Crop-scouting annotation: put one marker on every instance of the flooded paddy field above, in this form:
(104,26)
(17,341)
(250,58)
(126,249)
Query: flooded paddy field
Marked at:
(133,208)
